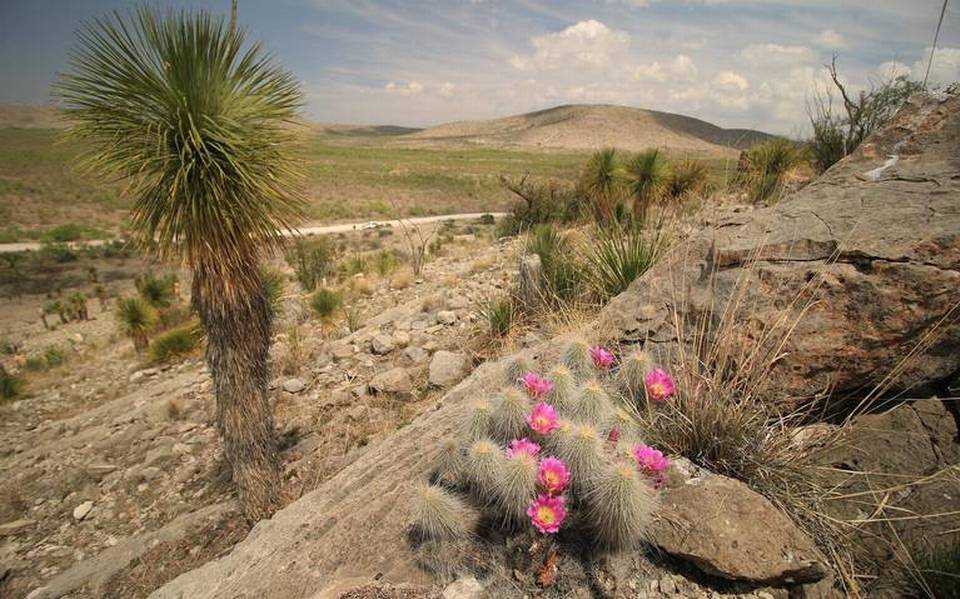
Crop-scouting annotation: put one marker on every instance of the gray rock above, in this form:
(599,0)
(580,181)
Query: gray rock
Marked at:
(401,338)
(447,368)
(381,344)
(667,585)
(82,511)
(342,351)
(396,380)
(416,354)
(294,385)
(466,587)
(446,316)
(12,528)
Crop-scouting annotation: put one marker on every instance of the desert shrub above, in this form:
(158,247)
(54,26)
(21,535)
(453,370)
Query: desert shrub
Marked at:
(54,356)
(769,163)
(561,272)
(499,314)
(8,347)
(540,203)
(356,264)
(11,386)
(56,251)
(837,134)
(647,176)
(174,316)
(272,280)
(76,306)
(311,261)
(528,464)
(175,343)
(73,232)
(687,176)
(385,262)
(136,318)
(487,219)
(618,256)
(35,363)
(325,302)
(158,291)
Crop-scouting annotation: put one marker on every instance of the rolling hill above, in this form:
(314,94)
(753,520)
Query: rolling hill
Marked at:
(582,127)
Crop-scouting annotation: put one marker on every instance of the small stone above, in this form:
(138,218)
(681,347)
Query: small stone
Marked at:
(396,380)
(381,344)
(82,511)
(466,587)
(401,338)
(416,354)
(10,528)
(447,368)
(342,352)
(667,586)
(447,316)
(294,385)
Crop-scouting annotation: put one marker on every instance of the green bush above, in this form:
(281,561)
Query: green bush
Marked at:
(159,292)
(540,203)
(73,232)
(136,319)
(561,271)
(325,302)
(385,262)
(54,356)
(311,261)
(686,176)
(11,386)
(618,256)
(175,342)
(769,162)
(647,176)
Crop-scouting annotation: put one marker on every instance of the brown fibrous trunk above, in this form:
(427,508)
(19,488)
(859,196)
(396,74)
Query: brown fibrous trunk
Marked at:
(236,316)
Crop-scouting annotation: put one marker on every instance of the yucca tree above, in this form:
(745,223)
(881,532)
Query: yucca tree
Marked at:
(194,120)
(646,179)
(600,181)
(136,318)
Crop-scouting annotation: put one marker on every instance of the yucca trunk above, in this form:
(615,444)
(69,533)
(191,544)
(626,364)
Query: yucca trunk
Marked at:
(238,339)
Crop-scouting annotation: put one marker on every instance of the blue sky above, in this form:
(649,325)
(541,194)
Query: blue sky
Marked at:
(738,63)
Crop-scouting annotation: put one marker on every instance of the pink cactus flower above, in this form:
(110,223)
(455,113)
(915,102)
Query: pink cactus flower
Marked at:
(553,475)
(659,385)
(520,447)
(602,357)
(651,461)
(543,419)
(547,513)
(536,385)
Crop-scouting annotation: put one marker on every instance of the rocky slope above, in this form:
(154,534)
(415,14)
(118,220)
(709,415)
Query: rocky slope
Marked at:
(895,232)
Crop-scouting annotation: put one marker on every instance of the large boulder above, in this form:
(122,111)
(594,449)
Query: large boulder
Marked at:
(728,530)
(871,249)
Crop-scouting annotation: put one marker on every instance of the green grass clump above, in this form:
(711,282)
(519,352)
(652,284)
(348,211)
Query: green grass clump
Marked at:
(385,262)
(769,163)
(136,318)
(175,343)
(516,488)
(939,569)
(11,386)
(618,256)
(73,232)
(54,356)
(560,270)
(620,506)
(499,314)
(325,302)
(509,418)
(440,515)
(273,289)
(311,260)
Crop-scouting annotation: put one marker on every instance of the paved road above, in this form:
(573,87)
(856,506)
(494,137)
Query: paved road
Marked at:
(311,230)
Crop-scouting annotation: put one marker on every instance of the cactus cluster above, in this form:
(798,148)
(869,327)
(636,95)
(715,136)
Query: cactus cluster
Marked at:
(555,452)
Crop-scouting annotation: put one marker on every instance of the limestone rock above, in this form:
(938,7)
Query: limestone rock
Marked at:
(416,354)
(446,317)
(82,511)
(294,385)
(878,259)
(728,530)
(12,528)
(467,587)
(396,380)
(381,344)
(447,368)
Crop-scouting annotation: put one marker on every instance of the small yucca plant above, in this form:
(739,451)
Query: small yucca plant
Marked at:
(686,176)
(620,504)
(157,291)
(647,176)
(619,256)
(325,302)
(136,318)
(440,515)
(499,313)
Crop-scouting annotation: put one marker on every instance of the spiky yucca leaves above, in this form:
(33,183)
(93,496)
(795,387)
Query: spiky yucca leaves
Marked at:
(136,318)
(632,370)
(591,404)
(647,177)
(600,181)
(517,367)
(576,357)
(581,449)
(564,387)
(483,469)
(508,420)
(517,487)
(620,504)
(440,515)
(478,424)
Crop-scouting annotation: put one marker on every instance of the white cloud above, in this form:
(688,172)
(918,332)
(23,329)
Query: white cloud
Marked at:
(945,68)
(412,88)
(586,44)
(447,89)
(828,38)
(892,69)
(776,55)
(731,80)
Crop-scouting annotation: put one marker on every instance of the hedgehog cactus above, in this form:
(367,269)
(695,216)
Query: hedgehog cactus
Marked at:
(517,487)
(564,387)
(509,416)
(576,357)
(592,404)
(440,515)
(620,504)
(479,423)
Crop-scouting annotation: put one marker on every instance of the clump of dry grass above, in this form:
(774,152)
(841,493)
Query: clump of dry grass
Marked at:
(402,279)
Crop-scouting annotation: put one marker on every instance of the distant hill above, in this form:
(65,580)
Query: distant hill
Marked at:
(588,126)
